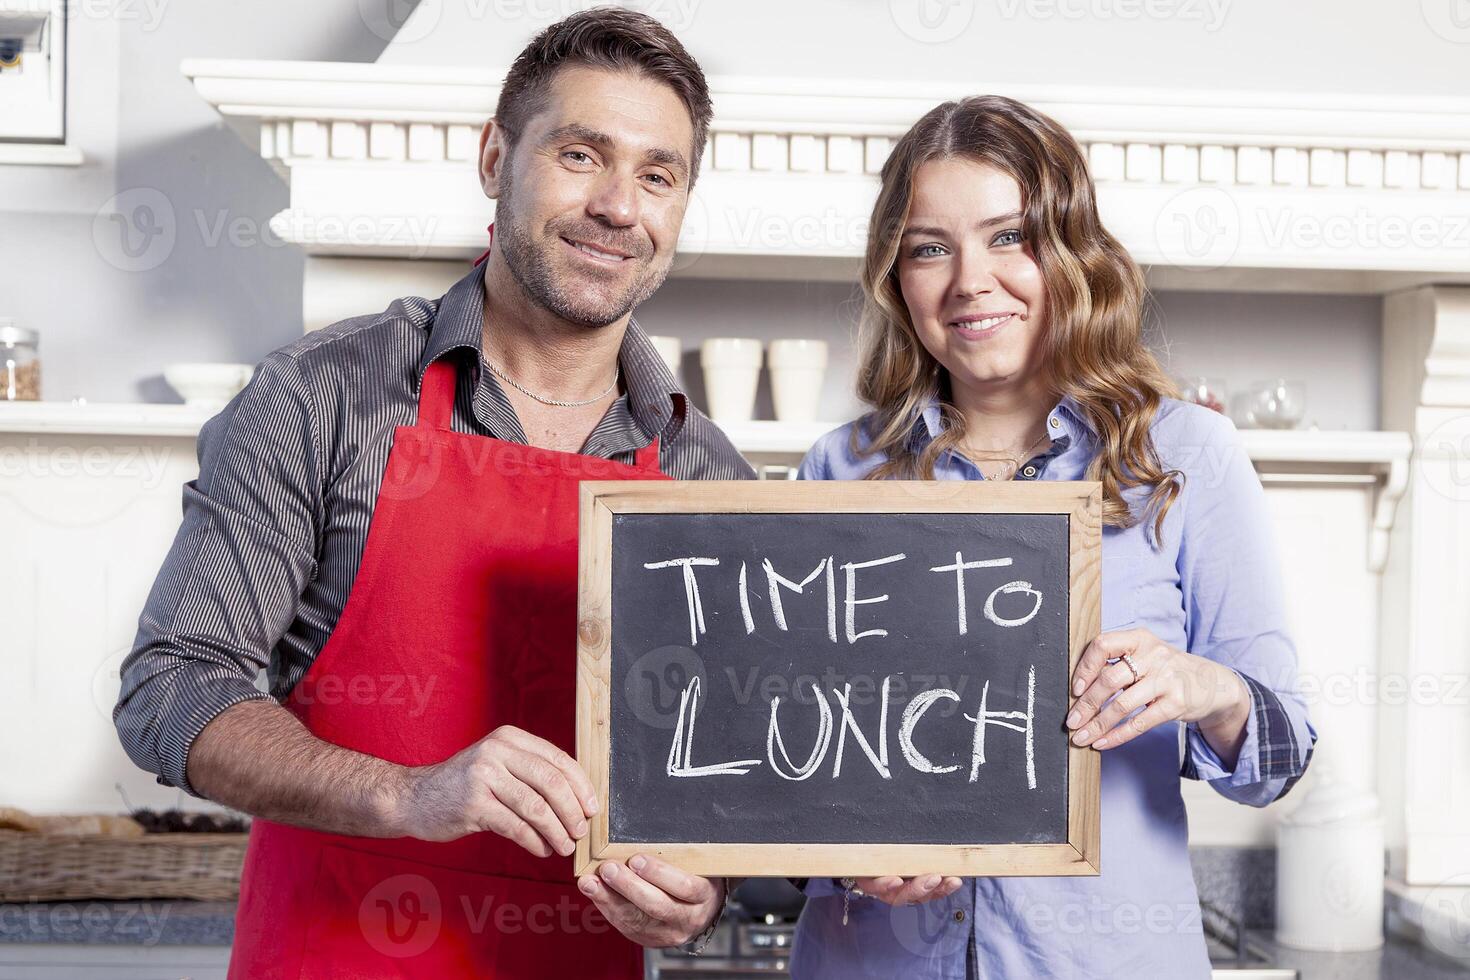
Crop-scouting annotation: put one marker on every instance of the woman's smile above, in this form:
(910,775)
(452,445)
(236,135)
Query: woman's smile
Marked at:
(982,326)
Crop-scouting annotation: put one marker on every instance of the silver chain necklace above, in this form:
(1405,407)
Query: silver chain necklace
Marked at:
(617,373)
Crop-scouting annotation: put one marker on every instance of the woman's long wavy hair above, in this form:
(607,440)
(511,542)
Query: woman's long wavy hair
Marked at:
(1091,340)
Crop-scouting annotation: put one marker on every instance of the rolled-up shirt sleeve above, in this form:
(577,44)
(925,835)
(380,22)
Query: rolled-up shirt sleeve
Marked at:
(232,581)
(1230,575)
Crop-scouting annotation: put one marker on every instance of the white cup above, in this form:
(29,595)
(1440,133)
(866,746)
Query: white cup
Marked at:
(732,369)
(797,367)
(671,350)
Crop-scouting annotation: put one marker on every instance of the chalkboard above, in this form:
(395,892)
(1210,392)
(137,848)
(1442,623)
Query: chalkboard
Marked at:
(838,678)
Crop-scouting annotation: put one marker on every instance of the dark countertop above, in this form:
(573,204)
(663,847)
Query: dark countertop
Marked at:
(148,922)
(187,923)
(1399,959)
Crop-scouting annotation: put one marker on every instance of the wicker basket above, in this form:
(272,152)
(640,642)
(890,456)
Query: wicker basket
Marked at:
(51,867)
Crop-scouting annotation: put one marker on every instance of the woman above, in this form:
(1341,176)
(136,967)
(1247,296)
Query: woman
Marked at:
(1002,341)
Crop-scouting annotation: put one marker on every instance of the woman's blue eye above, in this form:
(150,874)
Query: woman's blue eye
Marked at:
(922,252)
(1010,237)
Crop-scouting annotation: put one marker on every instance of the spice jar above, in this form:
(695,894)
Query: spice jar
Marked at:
(20,364)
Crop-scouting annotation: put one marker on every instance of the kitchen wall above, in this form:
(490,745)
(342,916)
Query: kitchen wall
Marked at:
(228,291)
(107,326)
(1331,343)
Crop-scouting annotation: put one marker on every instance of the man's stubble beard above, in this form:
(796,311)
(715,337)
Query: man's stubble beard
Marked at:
(532,268)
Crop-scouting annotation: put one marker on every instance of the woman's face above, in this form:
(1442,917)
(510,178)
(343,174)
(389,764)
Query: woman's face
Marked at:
(972,287)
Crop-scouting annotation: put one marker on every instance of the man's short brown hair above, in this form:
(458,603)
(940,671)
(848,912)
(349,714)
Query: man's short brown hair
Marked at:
(610,38)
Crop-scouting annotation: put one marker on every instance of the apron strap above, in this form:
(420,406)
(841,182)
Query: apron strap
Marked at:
(486,254)
(647,457)
(436,394)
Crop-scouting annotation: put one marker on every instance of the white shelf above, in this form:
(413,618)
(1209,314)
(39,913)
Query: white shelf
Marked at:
(126,419)
(1273,446)
(757,437)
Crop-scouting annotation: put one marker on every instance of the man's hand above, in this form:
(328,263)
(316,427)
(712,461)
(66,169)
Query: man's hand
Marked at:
(652,902)
(909,891)
(511,783)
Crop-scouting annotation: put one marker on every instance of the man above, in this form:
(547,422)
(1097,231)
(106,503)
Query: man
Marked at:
(414,800)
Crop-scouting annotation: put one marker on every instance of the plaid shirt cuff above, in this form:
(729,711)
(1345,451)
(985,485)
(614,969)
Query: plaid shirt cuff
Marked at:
(1271,749)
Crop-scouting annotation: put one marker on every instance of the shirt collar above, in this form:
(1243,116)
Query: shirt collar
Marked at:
(657,403)
(1065,420)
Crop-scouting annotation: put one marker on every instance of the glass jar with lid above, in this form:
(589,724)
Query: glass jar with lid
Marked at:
(20,363)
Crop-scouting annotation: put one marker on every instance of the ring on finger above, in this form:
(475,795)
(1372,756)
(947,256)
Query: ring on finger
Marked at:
(1127,661)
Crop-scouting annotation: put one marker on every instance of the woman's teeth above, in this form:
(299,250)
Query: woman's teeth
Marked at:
(984,324)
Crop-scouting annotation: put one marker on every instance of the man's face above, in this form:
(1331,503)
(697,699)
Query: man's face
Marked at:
(593,194)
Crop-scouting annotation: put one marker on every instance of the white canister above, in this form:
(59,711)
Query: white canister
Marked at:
(797,367)
(1329,870)
(732,369)
(670,350)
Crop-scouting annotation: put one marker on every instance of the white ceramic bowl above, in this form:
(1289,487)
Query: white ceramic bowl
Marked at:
(208,384)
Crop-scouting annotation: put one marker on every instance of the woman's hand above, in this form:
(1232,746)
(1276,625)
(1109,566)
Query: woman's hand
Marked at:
(1173,684)
(909,891)
(652,902)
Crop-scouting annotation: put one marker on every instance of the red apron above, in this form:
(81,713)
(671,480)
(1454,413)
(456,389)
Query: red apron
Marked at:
(462,618)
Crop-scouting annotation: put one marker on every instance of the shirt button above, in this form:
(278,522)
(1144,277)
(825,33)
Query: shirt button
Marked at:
(1056,423)
(959,915)
(1029,471)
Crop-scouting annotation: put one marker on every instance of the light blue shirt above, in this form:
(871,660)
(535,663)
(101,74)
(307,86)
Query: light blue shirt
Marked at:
(1212,587)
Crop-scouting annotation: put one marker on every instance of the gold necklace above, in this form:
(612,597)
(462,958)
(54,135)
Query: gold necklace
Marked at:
(1014,462)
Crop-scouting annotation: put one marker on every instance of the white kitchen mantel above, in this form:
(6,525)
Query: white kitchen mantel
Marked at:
(1258,191)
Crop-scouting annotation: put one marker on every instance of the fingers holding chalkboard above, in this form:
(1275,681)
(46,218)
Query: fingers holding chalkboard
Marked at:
(573,772)
(511,783)
(894,890)
(654,904)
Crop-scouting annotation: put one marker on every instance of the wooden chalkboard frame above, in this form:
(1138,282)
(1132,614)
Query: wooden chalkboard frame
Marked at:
(1081,501)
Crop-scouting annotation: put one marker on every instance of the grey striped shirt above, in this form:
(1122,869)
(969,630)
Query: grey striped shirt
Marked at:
(274,527)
